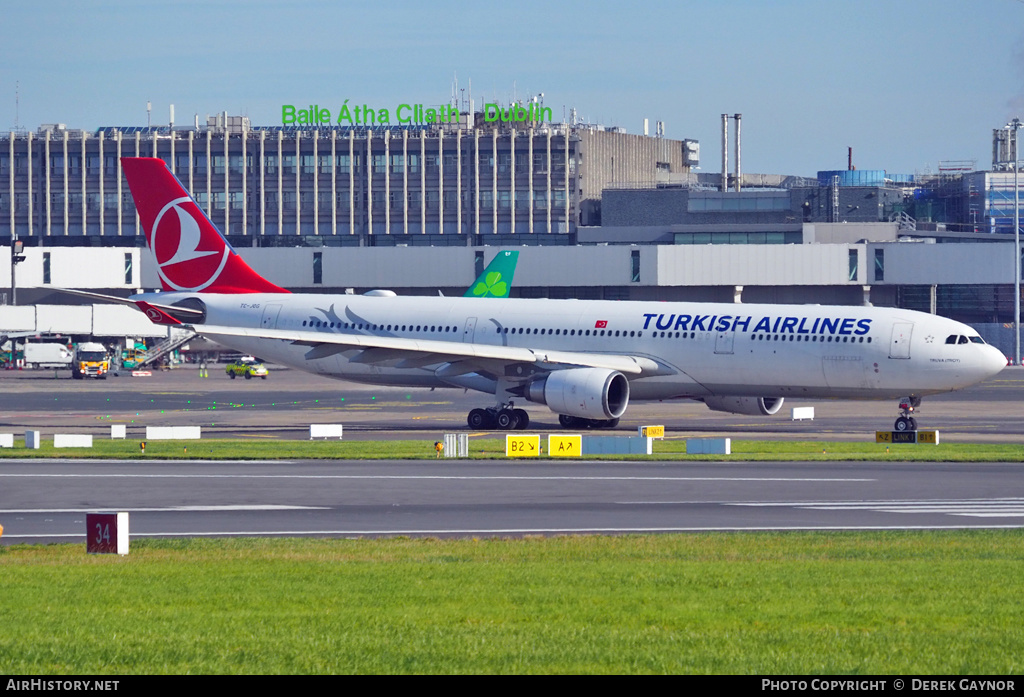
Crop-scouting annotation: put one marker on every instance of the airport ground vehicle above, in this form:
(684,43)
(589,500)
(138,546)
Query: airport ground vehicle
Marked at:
(132,356)
(248,367)
(91,361)
(47,356)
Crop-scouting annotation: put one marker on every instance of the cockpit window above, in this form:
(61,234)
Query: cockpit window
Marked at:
(976,340)
(951,339)
(963,340)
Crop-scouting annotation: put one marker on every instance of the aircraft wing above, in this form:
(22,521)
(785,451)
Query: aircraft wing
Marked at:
(462,357)
(184,314)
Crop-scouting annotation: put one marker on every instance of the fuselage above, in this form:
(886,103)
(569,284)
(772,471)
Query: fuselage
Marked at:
(701,349)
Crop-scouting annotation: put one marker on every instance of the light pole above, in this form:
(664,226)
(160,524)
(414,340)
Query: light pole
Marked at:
(1015,125)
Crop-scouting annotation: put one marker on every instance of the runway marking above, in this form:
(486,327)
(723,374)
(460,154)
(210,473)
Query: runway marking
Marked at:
(530,531)
(168,509)
(974,508)
(386,477)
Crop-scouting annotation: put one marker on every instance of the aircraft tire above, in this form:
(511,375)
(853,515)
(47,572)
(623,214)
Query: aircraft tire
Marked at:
(524,418)
(902,424)
(567,421)
(506,420)
(477,419)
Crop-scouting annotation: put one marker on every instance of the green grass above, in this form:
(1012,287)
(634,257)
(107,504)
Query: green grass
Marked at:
(489,447)
(796,603)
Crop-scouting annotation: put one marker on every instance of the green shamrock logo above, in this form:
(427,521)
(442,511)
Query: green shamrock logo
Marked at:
(491,285)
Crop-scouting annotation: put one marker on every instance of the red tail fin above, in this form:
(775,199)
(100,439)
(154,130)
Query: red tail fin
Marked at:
(190,252)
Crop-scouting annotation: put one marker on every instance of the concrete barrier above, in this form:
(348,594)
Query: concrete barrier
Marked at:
(616,445)
(71,440)
(800,413)
(33,439)
(118,431)
(709,446)
(325,431)
(6,440)
(173,432)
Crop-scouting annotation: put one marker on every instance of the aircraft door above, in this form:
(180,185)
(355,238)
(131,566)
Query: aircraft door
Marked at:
(270,313)
(899,345)
(724,342)
(469,331)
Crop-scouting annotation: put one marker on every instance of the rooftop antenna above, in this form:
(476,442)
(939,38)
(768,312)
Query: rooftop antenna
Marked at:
(17,104)
(149,114)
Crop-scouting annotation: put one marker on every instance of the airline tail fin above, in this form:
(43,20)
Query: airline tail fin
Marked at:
(496,280)
(191,254)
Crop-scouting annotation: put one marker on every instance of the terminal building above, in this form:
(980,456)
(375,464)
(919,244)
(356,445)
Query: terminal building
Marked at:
(441,185)
(596,213)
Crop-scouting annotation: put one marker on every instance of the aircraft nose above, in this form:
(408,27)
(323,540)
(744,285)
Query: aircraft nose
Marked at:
(993,361)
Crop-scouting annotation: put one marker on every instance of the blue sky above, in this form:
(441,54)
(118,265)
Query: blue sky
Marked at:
(906,83)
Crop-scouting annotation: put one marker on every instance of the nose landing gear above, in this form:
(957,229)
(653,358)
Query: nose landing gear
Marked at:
(906,422)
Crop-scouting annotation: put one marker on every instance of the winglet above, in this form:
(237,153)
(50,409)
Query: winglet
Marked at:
(156,315)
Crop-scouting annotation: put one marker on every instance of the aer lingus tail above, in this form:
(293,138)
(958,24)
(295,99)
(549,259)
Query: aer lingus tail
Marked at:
(496,280)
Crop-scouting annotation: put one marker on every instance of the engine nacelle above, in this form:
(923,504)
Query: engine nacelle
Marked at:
(589,393)
(751,406)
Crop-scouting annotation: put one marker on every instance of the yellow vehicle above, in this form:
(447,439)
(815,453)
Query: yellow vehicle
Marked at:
(90,361)
(248,367)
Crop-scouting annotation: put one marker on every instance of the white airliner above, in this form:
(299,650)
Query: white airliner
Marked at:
(584,359)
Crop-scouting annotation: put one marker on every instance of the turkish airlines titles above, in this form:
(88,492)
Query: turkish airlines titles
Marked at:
(843,326)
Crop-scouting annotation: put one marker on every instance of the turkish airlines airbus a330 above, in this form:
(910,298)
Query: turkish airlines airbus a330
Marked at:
(584,359)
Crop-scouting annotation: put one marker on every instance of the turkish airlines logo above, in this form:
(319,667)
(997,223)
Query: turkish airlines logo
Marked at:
(185,259)
(154,314)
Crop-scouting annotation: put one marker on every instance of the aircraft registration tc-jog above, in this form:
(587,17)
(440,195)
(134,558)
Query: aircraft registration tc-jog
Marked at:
(584,359)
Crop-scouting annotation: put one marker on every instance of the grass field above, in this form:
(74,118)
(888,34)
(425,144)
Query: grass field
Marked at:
(794,603)
(494,448)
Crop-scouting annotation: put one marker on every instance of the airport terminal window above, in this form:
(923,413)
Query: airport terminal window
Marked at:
(879,265)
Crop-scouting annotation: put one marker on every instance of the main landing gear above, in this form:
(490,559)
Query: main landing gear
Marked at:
(906,422)
(504,418)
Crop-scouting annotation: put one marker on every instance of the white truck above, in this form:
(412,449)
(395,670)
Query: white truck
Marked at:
(47,356)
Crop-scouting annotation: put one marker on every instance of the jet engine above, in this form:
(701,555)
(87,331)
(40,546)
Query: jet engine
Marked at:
(751,406)
(589,393)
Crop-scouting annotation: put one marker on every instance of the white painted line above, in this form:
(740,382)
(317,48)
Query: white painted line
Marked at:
(382,477)
(977,508)
(533,531)
(167,509)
